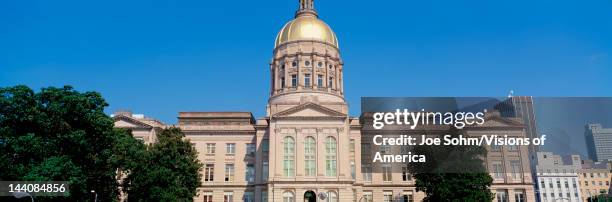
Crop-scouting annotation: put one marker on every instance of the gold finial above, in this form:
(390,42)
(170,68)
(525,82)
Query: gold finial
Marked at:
(306,8)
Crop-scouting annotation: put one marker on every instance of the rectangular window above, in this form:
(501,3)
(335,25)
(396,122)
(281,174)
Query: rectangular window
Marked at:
(208,196)
(519,196)
(406,174)
(498,170)
(210,148)
(289,157)
(250,149)
(512,148)
(250,173)
(388,196)
(407,196)
(331,82)
(309,157)
(320,80)
(366,171)
(228,196)
(306,79)
(264,171)
(265,146)
(293,80)
(229,172)
(282,82)
(209,172)
(330,157)
(385,149)
(495,147)
(502,196)
(386,171)
(516,169)
(230,148)
(550,183)
(367,196)
(353,169)
(264,196)
(248,196)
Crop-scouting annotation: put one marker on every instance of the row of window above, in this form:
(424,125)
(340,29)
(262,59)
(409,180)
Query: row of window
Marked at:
(309,156)
(230,148)
(387,174)
(405,196)
(559,195)
(593,175)
(556,171)
(499,170)
(308,81)
(502,195)
(228,196)
(307,63)
(508,147)
(601,183)
(209,172)
(558,182)
(587,192)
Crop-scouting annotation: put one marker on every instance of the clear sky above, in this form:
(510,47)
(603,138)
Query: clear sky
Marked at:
(162,57)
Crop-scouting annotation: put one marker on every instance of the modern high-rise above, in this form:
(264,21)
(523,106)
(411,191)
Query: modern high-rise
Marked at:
(599,142)
(522,107)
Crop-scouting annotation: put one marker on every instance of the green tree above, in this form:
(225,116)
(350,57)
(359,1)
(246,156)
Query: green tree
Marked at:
(452,173)
(599,198)
(59,134)
(169,170)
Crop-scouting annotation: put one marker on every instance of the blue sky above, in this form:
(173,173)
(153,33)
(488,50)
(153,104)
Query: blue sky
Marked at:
(162,57)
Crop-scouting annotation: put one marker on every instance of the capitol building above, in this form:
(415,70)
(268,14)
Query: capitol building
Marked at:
(307,147)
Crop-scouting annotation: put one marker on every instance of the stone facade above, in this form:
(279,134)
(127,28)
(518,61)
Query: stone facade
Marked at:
(594,179)
(557,178)
(307,147)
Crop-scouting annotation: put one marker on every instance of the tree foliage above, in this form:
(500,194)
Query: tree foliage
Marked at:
(452,173)
(169,170)
(599,198)
(60,134)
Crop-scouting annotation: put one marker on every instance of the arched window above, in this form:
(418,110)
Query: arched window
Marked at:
(332,196)
(288,197)
(289,156)
(310,151)
(330,156)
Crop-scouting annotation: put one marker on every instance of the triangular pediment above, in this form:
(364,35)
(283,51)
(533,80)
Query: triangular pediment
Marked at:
(309,110)
(128,122)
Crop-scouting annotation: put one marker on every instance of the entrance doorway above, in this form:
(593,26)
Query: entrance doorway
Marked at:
(310,196)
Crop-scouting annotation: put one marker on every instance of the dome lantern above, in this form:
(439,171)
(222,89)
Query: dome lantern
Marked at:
(306,27)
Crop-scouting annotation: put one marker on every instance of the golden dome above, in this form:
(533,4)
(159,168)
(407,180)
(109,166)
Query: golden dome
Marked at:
(307,27)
